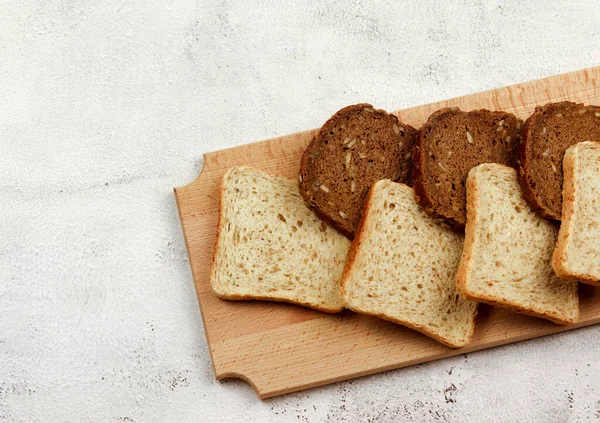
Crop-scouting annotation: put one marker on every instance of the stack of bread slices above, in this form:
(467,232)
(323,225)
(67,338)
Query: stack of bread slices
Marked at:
(419,226)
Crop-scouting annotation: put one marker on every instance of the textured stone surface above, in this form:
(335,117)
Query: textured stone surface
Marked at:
(105,106)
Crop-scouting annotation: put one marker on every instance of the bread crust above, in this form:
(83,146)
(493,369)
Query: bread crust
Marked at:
(419,328)
(351,257)
(467,254)
(277,300)
(533,312)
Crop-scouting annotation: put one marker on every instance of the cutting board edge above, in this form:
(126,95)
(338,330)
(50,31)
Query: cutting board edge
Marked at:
(177,192)
(264,392)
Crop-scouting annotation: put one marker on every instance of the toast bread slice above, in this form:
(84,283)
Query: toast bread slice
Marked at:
(270,246)
(356,147)
(402,268)
(547,133)
(451,143)
(577,252)
(507,257)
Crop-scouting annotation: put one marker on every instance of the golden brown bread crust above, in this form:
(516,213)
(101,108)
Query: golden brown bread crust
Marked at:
(448,202)
(355,148)
(351,256)
(213,270)
(278,300)
(418,328)
(465,259)
(533,312)
(535,166)
(559,254)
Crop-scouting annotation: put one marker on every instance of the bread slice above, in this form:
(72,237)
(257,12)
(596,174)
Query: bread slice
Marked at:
(355,147)
(402,268)
(577,252)
(270,246)
(448,146)
(508,249)
(548,132)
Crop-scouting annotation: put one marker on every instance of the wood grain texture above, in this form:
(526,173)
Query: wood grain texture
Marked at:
(280,348)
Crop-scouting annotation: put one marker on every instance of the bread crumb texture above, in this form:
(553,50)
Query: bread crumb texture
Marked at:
(508,250)
(356,147)
(577,253)
(271,246)
(403,268)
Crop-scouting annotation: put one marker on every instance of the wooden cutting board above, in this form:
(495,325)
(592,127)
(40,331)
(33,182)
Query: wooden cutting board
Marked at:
(279,348)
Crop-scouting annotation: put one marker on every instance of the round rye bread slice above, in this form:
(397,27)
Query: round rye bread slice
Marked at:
(547,134)
(451,143)
(355,148)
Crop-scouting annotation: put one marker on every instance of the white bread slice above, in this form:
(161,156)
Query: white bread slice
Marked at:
(270,246)
(402,268)
(577,252)
(508,250)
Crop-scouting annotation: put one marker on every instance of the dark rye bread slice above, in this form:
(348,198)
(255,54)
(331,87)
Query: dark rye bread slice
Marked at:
(547,134)
(355,148)
(451,143)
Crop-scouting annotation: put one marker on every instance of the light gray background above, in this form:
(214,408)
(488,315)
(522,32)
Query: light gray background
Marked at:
(105,106)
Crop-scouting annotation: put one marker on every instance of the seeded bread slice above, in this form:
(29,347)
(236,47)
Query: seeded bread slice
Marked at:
(270,246)
(508,250)
(402,267)
(448,146)
(577,252)
(548,132)
(355,147)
